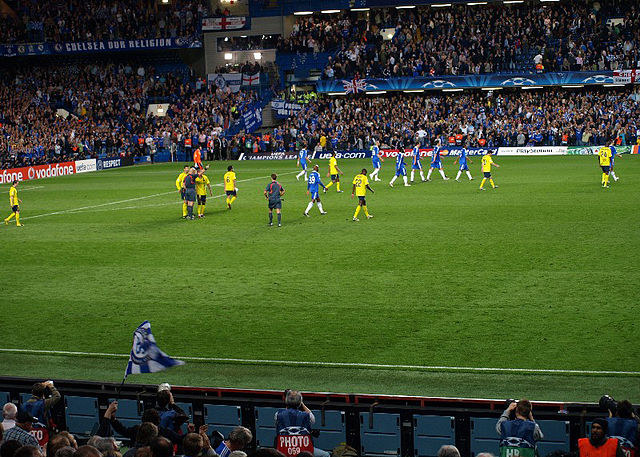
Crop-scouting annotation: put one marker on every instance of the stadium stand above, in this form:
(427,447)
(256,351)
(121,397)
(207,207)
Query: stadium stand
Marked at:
(390,42)
(372,425)
(80,20)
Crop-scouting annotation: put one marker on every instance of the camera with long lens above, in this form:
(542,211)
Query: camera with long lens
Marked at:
(607,402)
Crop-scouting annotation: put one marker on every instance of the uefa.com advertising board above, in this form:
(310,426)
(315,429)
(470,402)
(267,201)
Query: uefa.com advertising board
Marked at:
(453,151)
(62,169)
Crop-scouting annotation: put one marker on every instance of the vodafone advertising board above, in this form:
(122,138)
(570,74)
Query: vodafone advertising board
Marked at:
(427,152)
(37,172)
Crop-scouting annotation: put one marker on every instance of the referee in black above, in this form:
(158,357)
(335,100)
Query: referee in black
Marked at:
(189,186)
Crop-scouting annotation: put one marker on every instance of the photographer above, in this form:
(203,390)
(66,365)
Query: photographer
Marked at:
(622,423)
(598,444)
(521,434)
(296,419)
(44,396)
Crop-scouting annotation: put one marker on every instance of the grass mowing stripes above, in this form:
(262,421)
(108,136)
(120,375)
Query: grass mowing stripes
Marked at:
(539,273)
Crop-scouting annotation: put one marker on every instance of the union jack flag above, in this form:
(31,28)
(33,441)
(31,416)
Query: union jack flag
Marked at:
(354,86)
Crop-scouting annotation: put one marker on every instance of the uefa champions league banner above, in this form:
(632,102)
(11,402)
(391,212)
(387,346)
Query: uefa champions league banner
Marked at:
(465,82)
(39,49)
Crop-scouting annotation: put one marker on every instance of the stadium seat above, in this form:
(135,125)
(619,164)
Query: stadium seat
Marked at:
(24,397)
(332,432)
(556,436)
(432,432)
(187,408)
(129,413)
(484,437)
(81,414)
(4,397)
(222,418)
(381,436)
(265,426)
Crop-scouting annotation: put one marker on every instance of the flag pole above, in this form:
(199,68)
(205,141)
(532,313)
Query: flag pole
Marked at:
(120,388)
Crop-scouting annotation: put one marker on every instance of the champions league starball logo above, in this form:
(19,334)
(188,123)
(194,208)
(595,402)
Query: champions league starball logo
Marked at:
(143,347)
(518,81)
(598,79)
(439,84)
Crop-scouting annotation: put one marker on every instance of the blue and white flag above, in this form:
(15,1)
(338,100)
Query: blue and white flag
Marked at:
(146,356)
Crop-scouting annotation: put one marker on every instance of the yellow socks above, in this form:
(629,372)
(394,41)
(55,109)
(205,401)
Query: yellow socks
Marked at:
(17,218)
(329,185)
(357,211)
(10,217)
(233,199)
(338,186)
(491,182)
(365,211)
(184,209)
(484,180)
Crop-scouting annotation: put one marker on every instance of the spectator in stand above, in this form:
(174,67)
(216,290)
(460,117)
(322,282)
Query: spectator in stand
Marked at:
(66,451)
(171,415)
(197,444)
(87,451)
(161,447)
(146,433)
(9,447)
(239,438)
(598,443)
(44,397)
(519,435)
(20,433)
(624,425)
(448,451)
(9,411)
(103,444)
(56,443)
(28,451)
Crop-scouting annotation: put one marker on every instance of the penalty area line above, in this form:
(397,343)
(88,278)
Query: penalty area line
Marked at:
(334,364)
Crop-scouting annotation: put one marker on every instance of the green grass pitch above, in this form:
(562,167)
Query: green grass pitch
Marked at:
(541,273)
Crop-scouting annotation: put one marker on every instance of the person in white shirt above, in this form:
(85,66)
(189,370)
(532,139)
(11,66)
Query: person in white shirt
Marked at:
(9,412)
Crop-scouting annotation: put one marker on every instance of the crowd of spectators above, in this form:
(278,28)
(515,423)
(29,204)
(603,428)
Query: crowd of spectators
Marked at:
(457,40)
(164,430)
(60,113)
(480,119)
(82,20)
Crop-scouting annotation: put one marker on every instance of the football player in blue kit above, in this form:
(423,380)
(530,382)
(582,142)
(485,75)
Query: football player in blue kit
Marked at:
(401,169)
(415,164)
(312,189)
(436,163)
(464,166)
(302,161)
(376,159)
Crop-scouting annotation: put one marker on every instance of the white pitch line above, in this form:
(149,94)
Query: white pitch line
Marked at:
(337,364)
(83,208)
(30,188)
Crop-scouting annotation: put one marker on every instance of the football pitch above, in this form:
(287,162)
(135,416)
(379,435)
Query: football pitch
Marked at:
(526,290)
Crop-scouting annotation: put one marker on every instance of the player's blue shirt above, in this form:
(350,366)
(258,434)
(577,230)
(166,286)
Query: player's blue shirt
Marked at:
(435,158)
(375,159)
(463,158)
(313,182)
(400,161)
(416,156)
(303,157)
(613,154)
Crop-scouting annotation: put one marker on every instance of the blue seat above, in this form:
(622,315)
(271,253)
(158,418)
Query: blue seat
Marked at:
(432,432)
(81,414)
(4,398)
(381,436)
(333,432)
(24,397)
(484,437)
(265,426)
(129,413)
(222,418)
(556,436)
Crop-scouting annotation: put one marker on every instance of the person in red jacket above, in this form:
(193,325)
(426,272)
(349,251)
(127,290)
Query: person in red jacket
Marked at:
(598,445)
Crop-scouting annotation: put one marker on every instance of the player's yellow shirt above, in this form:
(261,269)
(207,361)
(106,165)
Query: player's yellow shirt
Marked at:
(180,180)
(13,196)
(605,156)
(486,163)
(201,184)
(333,166)
(361,182)
(229,178)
